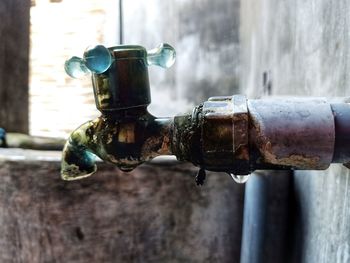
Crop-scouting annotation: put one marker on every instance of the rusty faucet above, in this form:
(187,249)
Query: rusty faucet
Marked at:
(230,134)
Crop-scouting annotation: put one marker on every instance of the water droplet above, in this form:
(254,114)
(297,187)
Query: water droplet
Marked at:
(240,179)
(126,168)
(98,59)
(75,67)
(164,56)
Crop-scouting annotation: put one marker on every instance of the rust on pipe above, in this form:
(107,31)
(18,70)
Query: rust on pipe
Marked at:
(229,134)
(236,135)
(294,132)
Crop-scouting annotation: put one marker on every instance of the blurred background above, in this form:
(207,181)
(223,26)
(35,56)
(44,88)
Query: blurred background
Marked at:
(156,213)
(61,29)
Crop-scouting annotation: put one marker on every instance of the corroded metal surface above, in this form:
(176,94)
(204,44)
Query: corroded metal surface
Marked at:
(216,138)
(229,134)
(233,135)
(293,132)
(126,142)
(241,134)
(215,135)
(126,134)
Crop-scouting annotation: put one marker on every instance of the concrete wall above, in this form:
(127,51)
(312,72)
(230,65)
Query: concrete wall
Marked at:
(305,46)
(205,34)
(14,56)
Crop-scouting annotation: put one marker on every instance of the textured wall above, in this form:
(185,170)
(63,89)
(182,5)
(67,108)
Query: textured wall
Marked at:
(154,214)
(14,56)
(305,46)
(205,35)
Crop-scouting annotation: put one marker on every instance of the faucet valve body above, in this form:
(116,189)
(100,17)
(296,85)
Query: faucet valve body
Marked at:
(125,84)
(120,74)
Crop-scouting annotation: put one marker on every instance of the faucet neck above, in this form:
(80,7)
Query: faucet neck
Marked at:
(134,113)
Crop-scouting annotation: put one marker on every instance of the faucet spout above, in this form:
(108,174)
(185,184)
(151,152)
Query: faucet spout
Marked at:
(126,139)
(78,158)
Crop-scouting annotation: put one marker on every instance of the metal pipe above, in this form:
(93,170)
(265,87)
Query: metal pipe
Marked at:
(254,219)
(230,134)
(341,112)
(293,132)
(238,136)
(121,23)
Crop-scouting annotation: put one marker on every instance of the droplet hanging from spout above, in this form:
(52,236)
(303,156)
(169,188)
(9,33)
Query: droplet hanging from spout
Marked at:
(240,179)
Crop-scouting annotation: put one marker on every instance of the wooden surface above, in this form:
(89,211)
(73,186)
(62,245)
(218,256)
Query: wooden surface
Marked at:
(14,57)
(154,214)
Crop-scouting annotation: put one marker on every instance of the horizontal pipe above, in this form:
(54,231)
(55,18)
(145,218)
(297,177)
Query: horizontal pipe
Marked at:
(298,133)
(284,133)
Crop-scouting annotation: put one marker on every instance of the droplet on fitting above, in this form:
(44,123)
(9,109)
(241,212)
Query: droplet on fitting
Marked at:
(75,67)
(240,179)
(97,59)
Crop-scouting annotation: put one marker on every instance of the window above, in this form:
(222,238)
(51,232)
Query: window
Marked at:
(59,104)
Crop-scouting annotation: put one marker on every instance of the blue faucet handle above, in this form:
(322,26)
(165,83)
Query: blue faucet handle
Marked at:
(75,67)
(164,56)
(2,138)
(96,59)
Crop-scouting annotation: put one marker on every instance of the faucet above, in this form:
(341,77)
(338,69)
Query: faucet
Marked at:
(126,134)
(229,134)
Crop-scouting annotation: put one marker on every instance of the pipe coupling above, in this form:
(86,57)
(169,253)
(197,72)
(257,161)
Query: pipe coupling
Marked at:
(215,135)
